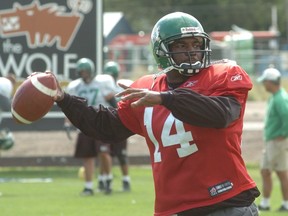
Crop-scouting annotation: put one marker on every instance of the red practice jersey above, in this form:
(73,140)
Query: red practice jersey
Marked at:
(193,166)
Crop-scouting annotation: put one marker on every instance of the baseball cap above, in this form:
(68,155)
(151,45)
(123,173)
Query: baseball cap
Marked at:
(270,74)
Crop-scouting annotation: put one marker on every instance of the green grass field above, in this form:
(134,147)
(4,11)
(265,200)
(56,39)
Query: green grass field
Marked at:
(61,196)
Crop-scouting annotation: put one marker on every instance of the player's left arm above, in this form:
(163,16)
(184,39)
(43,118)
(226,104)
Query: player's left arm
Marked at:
(189,106)
(200,110)
(217,110)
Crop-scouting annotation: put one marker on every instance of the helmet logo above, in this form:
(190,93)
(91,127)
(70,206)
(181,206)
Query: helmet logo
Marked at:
(190,30)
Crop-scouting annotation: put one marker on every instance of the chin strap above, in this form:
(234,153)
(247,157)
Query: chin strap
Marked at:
(166,70)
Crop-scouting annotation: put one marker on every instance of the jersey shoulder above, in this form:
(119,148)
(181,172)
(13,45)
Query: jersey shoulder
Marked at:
(6,87)
(225,66)
(104,78)
(225,76)
(105,83)
(224,61)
(73,84)
(144,82)
(228,70)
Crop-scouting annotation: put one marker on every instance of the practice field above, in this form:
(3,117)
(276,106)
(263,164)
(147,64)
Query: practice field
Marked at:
(55,192)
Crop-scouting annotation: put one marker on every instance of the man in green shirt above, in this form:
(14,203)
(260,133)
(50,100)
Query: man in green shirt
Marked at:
(275,154)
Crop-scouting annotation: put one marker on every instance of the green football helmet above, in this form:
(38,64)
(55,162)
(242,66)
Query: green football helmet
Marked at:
(6,139)
(85,64)
(172,27)
(112,68)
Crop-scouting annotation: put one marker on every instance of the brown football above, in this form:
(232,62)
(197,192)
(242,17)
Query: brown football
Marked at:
(33,98)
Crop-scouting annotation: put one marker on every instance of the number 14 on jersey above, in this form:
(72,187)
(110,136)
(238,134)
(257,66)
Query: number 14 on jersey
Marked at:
(181,137)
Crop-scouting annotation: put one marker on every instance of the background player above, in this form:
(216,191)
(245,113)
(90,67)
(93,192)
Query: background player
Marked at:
(191,115)
(119,149)
(96,90)
(6,90)
(275,154)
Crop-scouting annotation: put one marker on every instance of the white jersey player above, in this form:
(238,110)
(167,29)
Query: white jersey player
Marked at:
(120,149)
(99,89)
(6,90)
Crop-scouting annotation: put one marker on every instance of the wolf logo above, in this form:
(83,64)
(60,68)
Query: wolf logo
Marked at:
(43,25)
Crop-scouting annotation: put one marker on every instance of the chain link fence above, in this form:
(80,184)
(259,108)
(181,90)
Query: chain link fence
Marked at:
(136,61)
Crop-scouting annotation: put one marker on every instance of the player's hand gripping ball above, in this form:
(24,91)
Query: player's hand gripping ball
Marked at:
(34,97)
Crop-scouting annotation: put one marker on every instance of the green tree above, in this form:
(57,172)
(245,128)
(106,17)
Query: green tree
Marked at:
(215,15)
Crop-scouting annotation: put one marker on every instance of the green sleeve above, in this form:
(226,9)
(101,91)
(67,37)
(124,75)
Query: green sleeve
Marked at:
(282,110)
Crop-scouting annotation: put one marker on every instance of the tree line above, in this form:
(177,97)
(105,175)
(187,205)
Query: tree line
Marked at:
(215,15)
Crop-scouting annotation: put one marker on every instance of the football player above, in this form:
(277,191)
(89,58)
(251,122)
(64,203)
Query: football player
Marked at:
(191,115)
(96,90)
(6,139)
(6,90)
(119,149)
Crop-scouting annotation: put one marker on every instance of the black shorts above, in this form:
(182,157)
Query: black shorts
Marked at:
(104,147)
(87,147)
(119,148)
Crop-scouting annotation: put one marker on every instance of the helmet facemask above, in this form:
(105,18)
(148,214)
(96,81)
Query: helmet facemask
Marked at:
(186,68)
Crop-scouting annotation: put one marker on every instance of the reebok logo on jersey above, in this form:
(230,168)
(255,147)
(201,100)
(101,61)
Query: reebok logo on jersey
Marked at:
(236,77)
(190,83)
(220,188)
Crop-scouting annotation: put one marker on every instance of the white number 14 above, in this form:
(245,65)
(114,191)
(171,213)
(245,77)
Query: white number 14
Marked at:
(181,137)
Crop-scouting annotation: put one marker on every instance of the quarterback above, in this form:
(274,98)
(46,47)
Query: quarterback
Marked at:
(191,115)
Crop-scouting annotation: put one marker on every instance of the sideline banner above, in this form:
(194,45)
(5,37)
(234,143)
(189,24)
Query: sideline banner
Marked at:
(39,35)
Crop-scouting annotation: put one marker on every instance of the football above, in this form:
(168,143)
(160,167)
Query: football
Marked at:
(33,98)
